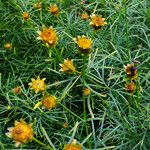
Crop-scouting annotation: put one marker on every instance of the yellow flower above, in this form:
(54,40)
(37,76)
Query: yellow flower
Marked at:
(130,87)
(38,5)
(16,90)
(131,71)
(21,132)
(84,16)
(97,21)
(84,44)
(8,45)
(67,66)
(49,102)
(54,9)
(48,36)
(38,84)
(87,91)
(25,15)
(73,146)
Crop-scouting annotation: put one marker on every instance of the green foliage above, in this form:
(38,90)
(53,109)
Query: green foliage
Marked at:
(109,117)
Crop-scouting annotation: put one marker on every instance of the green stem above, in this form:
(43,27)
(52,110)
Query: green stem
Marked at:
(84,100)
(127,31)
(41,143)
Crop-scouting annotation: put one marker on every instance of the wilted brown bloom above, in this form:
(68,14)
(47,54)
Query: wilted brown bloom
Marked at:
(49,102)
(130,87)
(131,71)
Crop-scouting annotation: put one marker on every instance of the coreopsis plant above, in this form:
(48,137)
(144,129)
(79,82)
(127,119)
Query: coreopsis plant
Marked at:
(21,132)
(67,66)
(38,84)
(131,71)
(48,36)
(97,21)
(49,102)
(73,146)
(8,46)
(54,9)
(84,44)
(25,16)
(130,87)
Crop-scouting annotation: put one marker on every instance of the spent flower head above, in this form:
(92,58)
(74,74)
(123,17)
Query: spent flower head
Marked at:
(49,102)
(21,132)
(84,43)
(130,87)
(67,66)
(131,71)
(97,21)
(38,84)
(48,36)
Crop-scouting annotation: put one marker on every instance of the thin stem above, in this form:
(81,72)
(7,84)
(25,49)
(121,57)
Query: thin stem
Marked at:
(127,31)
(84,100)
(41,143)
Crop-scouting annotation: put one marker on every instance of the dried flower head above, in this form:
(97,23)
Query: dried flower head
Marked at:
(38,5)
(49,102)
(25,16)
(130,87)
(87,91)
(131,71)
(73,146)
(8,45)
(16,90)
(38,84)
(48,36)
(67,66)
(97,21)
(20,133)
(84,44)
(54,9)
(84,16)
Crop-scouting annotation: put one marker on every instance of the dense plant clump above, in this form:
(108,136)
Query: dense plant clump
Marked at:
(74,74)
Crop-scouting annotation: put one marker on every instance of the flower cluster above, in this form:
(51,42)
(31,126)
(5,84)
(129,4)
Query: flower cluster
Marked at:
(132,74)
(22,132)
